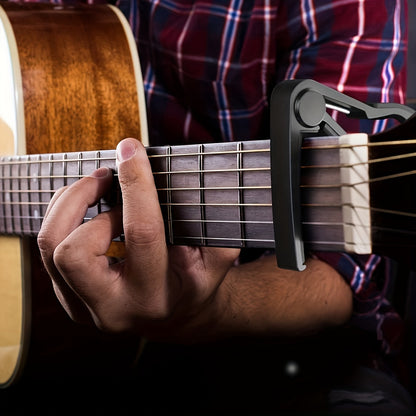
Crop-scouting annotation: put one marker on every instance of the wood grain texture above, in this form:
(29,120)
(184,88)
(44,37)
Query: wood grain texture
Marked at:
(78,80)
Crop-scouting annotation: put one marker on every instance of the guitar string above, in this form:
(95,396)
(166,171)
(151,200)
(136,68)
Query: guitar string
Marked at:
(239,222)
(8,193)
(369,162)
(370,144)
(43,204)
(26,159)
(18,160)
(264,240)
(74,178)
(237,151)
(4,160)
(208,171)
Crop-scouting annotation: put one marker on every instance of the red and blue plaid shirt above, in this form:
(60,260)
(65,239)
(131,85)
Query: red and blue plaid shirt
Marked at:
(209,68)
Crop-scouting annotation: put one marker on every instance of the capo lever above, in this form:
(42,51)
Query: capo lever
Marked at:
(298,109)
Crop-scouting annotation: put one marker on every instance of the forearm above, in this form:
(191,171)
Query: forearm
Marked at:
(260,299)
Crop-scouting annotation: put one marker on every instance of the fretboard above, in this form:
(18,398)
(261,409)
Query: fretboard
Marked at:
(212,194)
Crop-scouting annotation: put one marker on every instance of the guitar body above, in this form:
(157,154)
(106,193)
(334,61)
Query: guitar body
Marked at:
(71,81)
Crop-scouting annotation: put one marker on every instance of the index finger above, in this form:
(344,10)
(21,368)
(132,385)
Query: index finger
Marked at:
(67,211)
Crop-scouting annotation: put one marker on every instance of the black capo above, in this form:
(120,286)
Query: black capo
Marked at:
(298,109)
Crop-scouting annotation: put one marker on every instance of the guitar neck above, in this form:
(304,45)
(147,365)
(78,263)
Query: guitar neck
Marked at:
(215,194)
(209,194)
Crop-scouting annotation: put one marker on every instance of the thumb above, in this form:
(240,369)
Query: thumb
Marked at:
(140,199)
(142,217)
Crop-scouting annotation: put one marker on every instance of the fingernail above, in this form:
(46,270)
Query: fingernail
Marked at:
(126,149)
(101,173)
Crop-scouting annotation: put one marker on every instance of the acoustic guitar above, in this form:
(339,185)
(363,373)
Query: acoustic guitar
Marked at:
(357,194)
(69,79)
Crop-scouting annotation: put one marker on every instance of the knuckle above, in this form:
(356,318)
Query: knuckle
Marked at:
(66,257)
(143,233)
(45,243)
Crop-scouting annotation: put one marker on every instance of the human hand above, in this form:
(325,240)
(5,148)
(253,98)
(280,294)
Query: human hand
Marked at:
(158,291)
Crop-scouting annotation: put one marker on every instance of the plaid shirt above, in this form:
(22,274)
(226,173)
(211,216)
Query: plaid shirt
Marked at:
(209,68)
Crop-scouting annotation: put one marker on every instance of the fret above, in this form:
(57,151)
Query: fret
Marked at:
(51,172)
(3,199)
(169,194)
(6,199)
(44,182)
(97,166)
(204,235)
(86,166)
(241,193)
(24,196)
(34,185)
(81,163)
(10,201)
(88,214)
(64,170)
(16,200)
(28,199)
(10,197)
